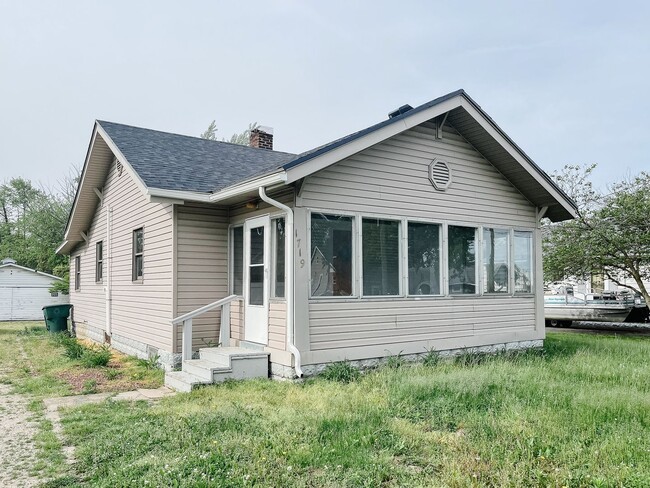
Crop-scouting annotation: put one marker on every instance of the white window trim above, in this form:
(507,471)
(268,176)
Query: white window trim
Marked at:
(355,253)
(231,259)
(400,270)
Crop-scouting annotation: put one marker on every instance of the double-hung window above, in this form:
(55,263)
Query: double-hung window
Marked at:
(496,260)
(424,258)
(138,254)
(381,257)
(237,240)
(77,272)
(99,261)
(461,256)
(331,255)
(523,256)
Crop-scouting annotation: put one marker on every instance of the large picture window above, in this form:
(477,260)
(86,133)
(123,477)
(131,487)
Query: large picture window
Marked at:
(99,261)
(462,260)
(138,254)
(238,260)
(496,261)
(424,258)
(381,256)
(331,255)
(278,263)
(523,250)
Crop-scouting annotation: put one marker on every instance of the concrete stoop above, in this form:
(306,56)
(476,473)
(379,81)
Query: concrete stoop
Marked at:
(217,364)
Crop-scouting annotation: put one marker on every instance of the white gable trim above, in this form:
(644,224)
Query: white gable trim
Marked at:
(12,265)
(375,137)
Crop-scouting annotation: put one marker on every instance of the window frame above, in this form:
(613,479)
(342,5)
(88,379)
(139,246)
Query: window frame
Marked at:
(478,259)
(533,259)
(134,254)
(441,256)
(400,257)
(510,254)
(231,259)
(355,253)
(77,272)
(274,257)
(99,261)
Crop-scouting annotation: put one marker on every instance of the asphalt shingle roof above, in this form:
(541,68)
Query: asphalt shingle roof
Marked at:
(176,162)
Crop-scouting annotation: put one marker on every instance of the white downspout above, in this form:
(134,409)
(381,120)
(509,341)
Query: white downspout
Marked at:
(289,284)
(107,269)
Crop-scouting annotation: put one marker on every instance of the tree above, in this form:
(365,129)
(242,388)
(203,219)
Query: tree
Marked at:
(242,138)
(611,234)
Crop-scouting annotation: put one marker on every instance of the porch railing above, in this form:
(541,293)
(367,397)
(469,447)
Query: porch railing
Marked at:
(186,321)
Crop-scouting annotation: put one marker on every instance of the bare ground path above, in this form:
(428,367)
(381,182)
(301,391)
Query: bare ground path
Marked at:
(17,449)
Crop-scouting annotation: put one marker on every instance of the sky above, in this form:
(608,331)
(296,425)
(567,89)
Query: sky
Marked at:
(567,81)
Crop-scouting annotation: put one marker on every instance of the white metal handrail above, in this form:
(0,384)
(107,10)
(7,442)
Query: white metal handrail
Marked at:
(186,321)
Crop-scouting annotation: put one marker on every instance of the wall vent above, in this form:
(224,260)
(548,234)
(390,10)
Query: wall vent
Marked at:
(119,168)
(439,174)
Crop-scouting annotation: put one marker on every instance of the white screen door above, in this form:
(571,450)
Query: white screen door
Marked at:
(257,255)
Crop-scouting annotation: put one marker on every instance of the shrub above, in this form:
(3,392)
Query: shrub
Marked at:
(341,371)
(96,356)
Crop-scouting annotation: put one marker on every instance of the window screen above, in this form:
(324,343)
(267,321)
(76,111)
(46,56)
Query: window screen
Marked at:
(523,262)
(496,250)
(138,254)
(380,249)
(331,255)
(462,260)
(424,258)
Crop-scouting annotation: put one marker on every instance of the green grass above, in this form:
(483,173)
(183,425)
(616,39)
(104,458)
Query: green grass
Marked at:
(577,414)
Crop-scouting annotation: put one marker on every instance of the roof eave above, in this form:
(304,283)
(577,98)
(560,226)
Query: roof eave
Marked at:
(276,178)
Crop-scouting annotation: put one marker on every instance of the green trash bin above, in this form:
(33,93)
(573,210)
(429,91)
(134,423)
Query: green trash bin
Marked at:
(56,317)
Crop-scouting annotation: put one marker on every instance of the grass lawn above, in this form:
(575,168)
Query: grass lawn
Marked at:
(577,414)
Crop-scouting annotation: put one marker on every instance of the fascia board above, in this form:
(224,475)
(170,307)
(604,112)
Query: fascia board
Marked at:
(248,186)
(346,150)
(516,154)
(177,196)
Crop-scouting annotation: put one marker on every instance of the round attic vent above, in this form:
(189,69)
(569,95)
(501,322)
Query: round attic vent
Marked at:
(439,174)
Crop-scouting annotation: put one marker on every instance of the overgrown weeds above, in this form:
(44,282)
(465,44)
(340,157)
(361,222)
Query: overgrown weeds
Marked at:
(96,356)
(342,371)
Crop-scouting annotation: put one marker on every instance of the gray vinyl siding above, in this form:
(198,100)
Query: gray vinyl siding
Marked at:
(201,268)
(391,179)
(141,311)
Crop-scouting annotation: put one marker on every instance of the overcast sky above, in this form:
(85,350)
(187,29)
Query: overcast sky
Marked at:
(568,81)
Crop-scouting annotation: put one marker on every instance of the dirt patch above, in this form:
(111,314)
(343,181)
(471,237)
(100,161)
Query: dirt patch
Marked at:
(110,379)
(17,450)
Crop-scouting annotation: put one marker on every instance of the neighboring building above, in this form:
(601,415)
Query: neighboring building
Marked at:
(24,292)
(418,233)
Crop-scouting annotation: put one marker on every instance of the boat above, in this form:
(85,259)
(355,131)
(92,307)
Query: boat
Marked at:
(562,310)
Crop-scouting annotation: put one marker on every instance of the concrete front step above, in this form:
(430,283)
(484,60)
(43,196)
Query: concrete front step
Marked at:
(182,381)
(217,364)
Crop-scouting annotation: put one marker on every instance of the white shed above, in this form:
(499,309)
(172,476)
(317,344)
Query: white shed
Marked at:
(24,292)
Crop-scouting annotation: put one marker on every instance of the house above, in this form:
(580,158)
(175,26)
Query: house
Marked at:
(24,292)
(378,243)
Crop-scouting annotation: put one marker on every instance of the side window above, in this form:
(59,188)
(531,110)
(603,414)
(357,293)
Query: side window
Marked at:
(462,260)
(381,255)
(138,254)
(424,258)
(99,261)
(331,255)
(77,273)
(523,262)
(279,270)
(496,260)
(237,260)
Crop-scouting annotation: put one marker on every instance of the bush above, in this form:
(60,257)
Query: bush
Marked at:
(96,356)
(341,371)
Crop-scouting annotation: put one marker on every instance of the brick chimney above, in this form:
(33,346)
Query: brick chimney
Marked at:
(262,138)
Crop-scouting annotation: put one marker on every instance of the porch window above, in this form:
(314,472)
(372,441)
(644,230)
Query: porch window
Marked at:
(256,267)
(380,248)
(424,258)
(138,254)
(99,261)
(462,260)
(238,260)
(331,255)
(523,262)
(496,260)
(77,272)
(279,270)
